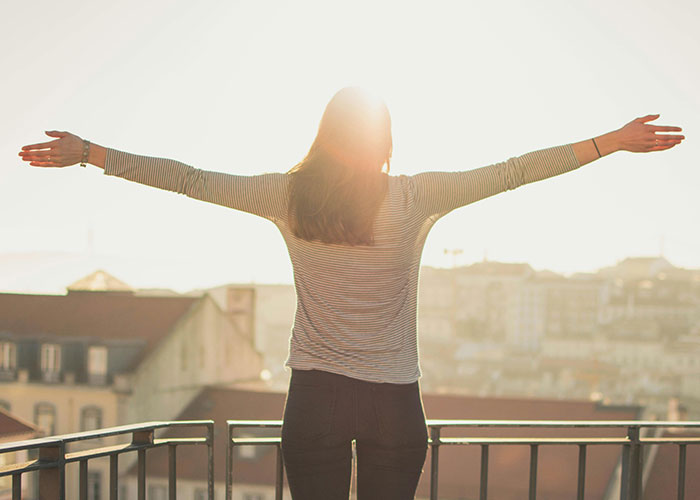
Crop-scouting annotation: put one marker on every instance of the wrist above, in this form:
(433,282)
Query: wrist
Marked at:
(97,155)
(609,143)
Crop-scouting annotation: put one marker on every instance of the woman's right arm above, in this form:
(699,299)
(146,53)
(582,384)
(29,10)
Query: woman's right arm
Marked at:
(263,195)
(438,193)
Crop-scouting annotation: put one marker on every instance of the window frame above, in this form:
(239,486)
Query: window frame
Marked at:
(84,413)
(50,361)
(45,405)
(8,356)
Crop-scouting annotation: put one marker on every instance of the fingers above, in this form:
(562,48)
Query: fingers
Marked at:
(647,118)
(56,133)
(659,128)
(661,144)
(45,164)
(670,137)
(663,147)
(38,155)
(44,160)
(40,145)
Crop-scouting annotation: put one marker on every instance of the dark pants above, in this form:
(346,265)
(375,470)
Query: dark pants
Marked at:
(325,412)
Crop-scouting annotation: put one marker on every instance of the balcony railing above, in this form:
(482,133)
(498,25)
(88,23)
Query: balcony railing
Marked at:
(632,450)
(53,455)
(53,458)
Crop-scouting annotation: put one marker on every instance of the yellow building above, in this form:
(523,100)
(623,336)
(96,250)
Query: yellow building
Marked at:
(104,355)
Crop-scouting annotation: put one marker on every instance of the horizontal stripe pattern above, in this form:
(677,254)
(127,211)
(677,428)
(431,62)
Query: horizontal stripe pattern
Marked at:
(356,306)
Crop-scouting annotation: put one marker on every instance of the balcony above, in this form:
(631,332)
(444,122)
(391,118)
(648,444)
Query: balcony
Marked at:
(637,442)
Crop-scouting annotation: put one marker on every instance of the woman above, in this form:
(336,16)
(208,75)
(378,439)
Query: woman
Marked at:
(355,236)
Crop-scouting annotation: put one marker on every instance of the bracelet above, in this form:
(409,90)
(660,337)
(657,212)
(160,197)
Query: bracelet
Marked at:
(596,148)
(86,153)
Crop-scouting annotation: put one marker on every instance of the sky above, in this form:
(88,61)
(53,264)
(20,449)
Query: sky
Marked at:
(240,86)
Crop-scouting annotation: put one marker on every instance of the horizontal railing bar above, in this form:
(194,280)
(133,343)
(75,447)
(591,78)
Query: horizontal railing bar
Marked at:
(179,441)
(560,423)
(564,441)
(29,444)
(688,440)
(253,441)
(127,447)
(102,452)
(109,431)
(8,470)
(28,466)
(510,440)
(254,423)
(533,441)
(510,423)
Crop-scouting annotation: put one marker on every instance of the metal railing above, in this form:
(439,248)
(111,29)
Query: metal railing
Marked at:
(52,458)
(631,461)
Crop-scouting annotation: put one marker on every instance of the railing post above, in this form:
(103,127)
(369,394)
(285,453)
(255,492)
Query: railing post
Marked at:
(434,456)
(16,486)
(172,472)
(484,480)
(635,470)
(114,477)
(52,481)
(681,472)
(625,473)
(142,438)
(533,472)
(210,459)
(279,476)
(581,472)
(83,480)
(229,462)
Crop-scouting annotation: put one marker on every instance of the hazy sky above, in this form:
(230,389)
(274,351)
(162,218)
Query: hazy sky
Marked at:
(240,87)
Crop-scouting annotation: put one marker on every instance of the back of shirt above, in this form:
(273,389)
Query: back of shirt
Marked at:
(356,305)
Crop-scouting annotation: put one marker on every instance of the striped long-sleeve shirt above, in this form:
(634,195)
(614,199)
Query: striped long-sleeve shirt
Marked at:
(356,309)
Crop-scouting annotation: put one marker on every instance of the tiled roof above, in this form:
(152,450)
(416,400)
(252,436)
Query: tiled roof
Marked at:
(459,466)
(13,427)
(101,315)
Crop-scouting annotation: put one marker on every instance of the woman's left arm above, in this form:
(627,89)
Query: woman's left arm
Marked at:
(262,195)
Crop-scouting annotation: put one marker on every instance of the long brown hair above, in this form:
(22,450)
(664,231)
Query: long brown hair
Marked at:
(336,190)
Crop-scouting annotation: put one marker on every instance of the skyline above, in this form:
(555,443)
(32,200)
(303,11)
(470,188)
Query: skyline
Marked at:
(52,273)
(241,87)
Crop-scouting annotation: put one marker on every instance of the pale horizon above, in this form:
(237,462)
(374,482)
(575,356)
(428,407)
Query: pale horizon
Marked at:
(240,88)
(52,272)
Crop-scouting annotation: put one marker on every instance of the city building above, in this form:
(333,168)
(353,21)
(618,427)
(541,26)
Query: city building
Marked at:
(100,357)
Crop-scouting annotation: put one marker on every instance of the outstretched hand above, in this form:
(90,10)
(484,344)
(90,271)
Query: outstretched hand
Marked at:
(65,151)
(639,136)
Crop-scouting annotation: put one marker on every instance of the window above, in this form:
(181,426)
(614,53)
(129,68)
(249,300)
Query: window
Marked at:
(156,492)
(97,364)
(50,362)
(94,485)
(90,418)
(45,418)
(8,357)
(97,360)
